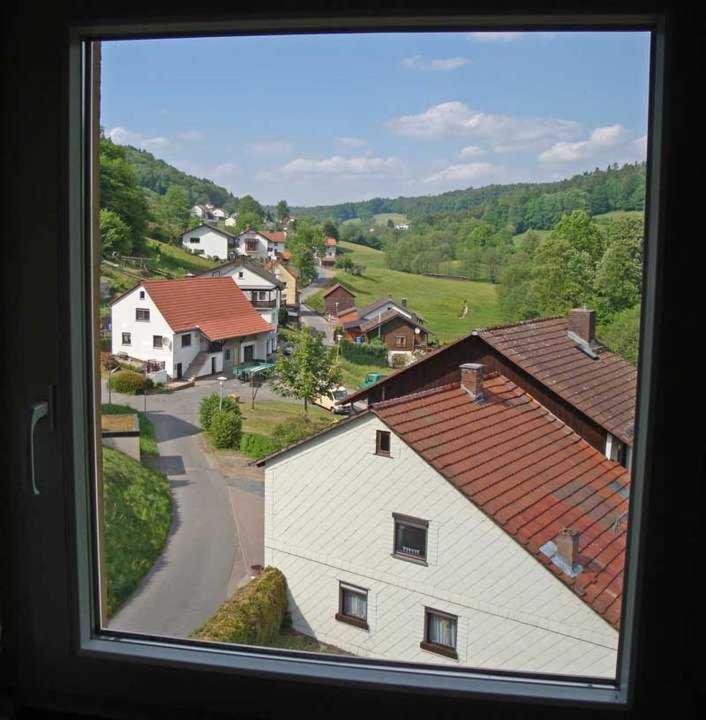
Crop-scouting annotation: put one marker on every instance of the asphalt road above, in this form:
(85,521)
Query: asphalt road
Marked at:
(206,556)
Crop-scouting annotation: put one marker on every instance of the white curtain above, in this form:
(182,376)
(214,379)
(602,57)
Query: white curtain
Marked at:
(355,604)
(442,630)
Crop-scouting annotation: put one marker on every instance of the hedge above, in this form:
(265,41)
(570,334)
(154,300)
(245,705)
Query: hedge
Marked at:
(127,382)
(295,429)
(225,429)
(209,406)
(257,446)
(253,616)
(372,353)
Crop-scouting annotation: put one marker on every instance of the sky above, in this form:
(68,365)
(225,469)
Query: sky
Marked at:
(322,119)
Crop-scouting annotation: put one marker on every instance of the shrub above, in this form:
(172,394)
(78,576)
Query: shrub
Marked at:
(294,429)
(253,616)
(399,360)
(108,361)
(374,352)
(257,446)
(225,429)
(209,406)
(127,382)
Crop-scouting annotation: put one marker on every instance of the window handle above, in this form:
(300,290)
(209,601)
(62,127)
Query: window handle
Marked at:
(37,410)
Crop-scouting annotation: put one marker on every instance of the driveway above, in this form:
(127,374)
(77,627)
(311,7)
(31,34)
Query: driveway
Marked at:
(209,550)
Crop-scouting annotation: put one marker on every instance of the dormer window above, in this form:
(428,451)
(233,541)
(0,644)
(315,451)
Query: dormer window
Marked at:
(382,443)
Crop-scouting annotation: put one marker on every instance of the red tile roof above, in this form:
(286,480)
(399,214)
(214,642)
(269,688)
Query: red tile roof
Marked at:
(528,472)
(276,236)
(216,306)
(604,389)
(330,241)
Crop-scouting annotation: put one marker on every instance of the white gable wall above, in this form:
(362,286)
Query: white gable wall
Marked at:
(383,309)
(328,518)
(212,243)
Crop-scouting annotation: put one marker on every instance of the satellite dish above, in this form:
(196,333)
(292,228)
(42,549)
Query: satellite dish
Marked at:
(417,331)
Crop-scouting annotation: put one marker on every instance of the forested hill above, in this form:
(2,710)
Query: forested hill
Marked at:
(521,206)
(156,175)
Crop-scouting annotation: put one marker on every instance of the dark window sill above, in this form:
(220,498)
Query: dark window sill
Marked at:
(439,649)
(383,454)
(410,558)
(348,619)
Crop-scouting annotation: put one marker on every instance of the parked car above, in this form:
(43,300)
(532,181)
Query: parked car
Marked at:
(370,379)
(334,401)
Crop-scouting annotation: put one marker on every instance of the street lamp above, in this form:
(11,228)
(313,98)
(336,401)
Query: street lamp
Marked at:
(221,380)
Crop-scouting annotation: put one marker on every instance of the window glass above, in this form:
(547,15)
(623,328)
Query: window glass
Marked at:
(410,539)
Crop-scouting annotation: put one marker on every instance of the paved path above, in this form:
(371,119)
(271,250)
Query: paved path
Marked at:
(312,319)
(208,553)
(324,273)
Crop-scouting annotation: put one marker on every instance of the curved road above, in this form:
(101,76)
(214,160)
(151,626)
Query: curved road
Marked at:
(191,578)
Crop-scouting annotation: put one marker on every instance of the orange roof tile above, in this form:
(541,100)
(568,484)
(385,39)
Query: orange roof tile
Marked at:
(330,241)
(527,471)
(216,306)
(277,236)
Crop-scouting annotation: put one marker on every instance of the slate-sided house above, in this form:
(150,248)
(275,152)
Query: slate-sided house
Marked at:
(337,299)
(193,326)
(462,525)
(558,360)
(260,287)
(210,241)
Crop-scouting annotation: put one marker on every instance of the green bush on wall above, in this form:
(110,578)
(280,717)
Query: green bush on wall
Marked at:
(253,616)
(127,382)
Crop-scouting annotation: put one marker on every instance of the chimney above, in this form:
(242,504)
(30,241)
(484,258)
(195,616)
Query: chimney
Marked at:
(472,379)
(582,325)
(567,546)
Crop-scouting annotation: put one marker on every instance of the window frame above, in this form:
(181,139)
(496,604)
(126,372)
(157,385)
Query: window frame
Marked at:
(192,656)
(439,648)
(186,336)
(379,436)
(142,310)
(129,338)
(343,617)
(414,522)
(155,345)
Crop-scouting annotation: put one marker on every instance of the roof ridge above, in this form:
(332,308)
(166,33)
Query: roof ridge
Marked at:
(383,404)
(520,323)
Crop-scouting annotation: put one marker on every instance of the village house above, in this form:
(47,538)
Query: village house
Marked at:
(398,331)
(262,244)
(337,299)
(558,360)
(208,212)
(462,525)
(287,274)
(210,241)
(329,257)
(191,327)
(261,288)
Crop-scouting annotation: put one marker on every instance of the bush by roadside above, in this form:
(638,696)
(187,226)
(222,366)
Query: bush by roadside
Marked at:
(253,616)
(374,352)
(225,429)
(127,382)
(256,446)
(210,406)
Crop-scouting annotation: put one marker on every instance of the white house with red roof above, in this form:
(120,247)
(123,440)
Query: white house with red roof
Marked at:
(262,244)
(191,327)
(210,241)
(462,525)
(330,245)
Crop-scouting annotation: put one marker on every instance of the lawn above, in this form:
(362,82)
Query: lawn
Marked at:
(148,443)
(354,374)
(440,302)
(268,413)
(174,260)
(138,516)
(397,218)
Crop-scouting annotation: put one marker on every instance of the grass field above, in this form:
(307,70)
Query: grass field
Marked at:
(440,302)
(353,374)
(138,516)
(380,219)
(175,260)
(268,413)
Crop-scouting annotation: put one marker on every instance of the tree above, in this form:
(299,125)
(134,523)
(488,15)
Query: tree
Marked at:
(282,211)
(309,371)
(248,205)
(514,291)
(175,205)
(618,282)
(115,234)
(330,229)
(622,333)
(247,221)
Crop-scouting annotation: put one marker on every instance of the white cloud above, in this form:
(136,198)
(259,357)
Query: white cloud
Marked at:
(195,135)
(343,166)
(417,62)
(461,173)
(602,139)
(640,146)
(495,36)
(270,148)
(471,151)
(351,142)
(123,136)
(456,119)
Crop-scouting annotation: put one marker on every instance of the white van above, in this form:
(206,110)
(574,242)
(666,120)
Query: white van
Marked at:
(334,400)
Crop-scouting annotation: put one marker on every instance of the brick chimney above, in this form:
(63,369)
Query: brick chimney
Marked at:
(582,324)
(567,546)
(472,379)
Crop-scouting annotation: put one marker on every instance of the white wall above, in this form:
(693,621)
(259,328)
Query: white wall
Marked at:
(212,243)
(141,347)
(262,243)
(328,518)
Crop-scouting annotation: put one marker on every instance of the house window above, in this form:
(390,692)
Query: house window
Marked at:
(382,443)
(227,354)
(142,294)
(186,340)
(127,339)
(400,341)
(410,541)
(352,605)
(156,341)
(142,315)
(440,631)
(240,275)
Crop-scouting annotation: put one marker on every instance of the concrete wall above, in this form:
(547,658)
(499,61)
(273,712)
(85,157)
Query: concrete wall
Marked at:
(130,445)
(328,518)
